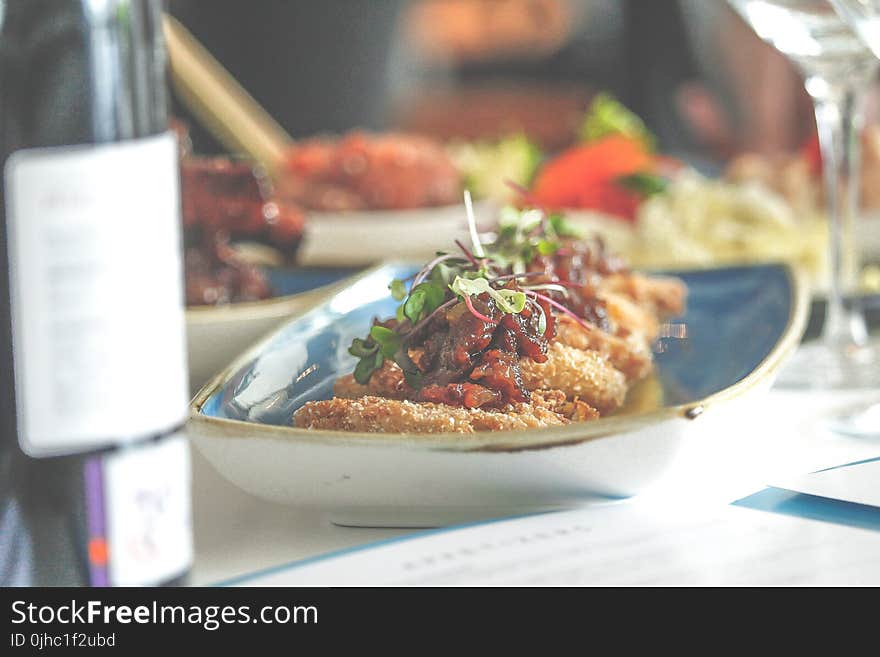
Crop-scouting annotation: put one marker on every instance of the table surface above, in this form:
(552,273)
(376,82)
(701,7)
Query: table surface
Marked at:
(741,449)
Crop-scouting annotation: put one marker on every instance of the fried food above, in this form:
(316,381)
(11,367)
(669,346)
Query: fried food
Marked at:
(628,318)
(662,296)
(579,374)
(372,414)
(632,355)
(386,382)
(546,332)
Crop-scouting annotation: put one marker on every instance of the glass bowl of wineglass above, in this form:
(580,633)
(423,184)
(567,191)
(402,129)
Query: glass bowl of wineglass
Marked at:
(837,68)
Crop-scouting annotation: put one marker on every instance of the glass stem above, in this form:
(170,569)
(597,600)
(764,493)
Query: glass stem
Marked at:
(839,119)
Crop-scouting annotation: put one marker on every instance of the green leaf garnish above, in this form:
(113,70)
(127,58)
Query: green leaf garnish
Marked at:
(366,366)
(413,379)
(411,372)
(524,235)
(562,227)
(547,248)
(442,274)
(388,340)
(646,184)
(607,116)
(542,319)
(508,301)
(398,289)
(423,299)
(415,303)
(361,348)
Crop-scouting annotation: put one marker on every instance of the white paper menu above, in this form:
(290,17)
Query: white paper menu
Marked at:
(629,543)
(858,483)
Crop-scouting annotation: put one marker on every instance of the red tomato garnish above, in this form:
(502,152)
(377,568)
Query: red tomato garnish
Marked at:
(586,177)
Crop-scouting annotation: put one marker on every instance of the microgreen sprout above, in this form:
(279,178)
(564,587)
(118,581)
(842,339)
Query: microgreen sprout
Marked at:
(479,252)
(498,271)
(507,301)
(559,306)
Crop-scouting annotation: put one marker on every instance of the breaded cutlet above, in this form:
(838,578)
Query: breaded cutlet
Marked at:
(662,296)
(579,374)
(373,414)
(583,363)
(631,355)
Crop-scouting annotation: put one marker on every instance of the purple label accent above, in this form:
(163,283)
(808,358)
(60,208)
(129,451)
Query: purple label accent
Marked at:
(95,519)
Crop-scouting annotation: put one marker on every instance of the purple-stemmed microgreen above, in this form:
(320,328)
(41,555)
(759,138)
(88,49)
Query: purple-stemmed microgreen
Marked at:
(498,273)
(560,307)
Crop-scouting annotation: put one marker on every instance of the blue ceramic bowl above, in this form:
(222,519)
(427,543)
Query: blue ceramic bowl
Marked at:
(740,324)
(217,334)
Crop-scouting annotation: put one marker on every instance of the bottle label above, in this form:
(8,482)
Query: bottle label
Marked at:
(97,293)
(138,513)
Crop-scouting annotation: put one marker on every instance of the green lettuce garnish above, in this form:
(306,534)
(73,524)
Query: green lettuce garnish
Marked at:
(608,116)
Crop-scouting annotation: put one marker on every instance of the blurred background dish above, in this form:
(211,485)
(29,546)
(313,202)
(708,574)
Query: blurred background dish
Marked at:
(240,242)
(228,203)
(478,75)
(370,196)
(370,171)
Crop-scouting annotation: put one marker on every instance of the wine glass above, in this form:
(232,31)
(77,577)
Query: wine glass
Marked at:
(837,69)
(863,16)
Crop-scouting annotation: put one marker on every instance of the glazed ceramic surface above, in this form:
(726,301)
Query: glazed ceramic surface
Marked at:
(217,334)
(740,324)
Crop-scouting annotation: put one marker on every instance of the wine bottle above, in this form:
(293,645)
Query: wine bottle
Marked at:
(94,467)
